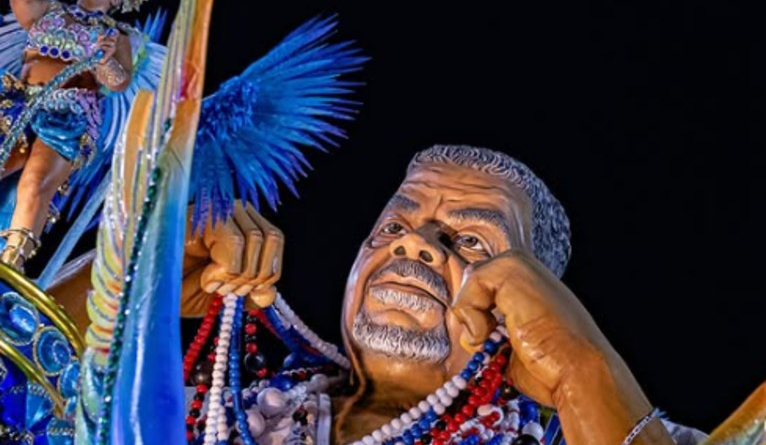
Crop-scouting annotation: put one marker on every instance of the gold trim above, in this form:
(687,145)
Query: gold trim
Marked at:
(33,374)
(45,304)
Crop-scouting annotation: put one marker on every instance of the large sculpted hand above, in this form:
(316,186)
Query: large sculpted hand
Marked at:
(242,255)
(560,357)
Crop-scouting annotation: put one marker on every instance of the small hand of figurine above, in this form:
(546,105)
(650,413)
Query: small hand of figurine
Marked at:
(560,358)
(242,255)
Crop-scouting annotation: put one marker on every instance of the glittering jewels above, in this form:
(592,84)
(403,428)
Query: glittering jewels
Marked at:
(39,371)
(18,319)
(69,379)
(66,100)
(51,351)
(59,432)
(39,405)
(52,36)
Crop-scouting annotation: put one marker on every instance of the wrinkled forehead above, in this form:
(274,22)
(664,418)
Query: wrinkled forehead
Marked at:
(436,188)
(436,183)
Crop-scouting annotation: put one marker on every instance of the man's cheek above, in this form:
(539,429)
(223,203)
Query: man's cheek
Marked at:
(365,264)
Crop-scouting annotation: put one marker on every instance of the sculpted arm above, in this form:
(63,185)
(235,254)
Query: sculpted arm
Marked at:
(560,357)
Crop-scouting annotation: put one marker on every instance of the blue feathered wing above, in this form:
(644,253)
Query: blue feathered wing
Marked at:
(252,128)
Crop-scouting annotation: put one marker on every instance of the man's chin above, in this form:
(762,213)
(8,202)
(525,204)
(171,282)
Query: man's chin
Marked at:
(398,340)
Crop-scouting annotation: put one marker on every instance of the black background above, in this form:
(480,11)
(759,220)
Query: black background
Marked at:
(647,121)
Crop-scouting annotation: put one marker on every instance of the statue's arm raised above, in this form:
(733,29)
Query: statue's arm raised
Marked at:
(560,357)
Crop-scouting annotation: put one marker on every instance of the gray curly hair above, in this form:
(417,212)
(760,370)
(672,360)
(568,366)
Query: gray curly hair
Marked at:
(550,225)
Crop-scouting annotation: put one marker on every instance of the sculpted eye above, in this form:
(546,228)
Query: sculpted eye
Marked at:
(470,243)
(393,228)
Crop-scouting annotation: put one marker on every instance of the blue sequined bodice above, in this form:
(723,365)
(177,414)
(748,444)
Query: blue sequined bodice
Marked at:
(55,36)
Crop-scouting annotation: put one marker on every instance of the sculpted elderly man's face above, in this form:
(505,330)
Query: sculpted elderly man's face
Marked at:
(442,218)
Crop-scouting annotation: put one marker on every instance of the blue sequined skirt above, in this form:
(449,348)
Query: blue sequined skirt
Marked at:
(68,120)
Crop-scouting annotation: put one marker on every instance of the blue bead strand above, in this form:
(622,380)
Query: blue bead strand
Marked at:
(288,336)
(235,382)
(496,439)
(474,367)
(473,439)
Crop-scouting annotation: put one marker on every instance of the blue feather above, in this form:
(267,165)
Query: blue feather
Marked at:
(255,124)
(153,26)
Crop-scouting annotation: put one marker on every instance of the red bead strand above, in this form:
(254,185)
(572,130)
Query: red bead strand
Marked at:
(203,333)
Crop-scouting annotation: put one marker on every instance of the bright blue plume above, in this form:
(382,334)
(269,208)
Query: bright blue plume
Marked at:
(252,128)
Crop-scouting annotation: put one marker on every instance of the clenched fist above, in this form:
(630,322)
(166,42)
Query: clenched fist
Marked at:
(242,255)
(560,357)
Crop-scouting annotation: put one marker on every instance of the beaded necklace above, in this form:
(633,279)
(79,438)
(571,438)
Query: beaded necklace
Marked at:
(477,406)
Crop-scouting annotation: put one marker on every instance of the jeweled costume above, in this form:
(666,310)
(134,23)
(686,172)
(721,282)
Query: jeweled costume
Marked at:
(39,367)
(70,117)
(247,141)
(80,124)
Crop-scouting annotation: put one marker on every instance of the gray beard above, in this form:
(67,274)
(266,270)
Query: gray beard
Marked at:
(394,341)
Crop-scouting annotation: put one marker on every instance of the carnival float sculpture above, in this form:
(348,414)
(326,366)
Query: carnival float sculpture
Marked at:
(179,235)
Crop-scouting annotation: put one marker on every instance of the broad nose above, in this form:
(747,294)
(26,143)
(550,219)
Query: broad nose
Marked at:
(421,245)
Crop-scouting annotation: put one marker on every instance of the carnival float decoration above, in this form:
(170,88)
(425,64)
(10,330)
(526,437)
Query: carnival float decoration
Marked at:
(163,147)
(282,100)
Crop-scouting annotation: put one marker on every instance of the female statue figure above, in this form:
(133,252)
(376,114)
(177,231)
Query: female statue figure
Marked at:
(64,134)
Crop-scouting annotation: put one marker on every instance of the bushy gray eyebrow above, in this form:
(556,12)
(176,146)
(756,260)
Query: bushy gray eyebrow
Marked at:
(401,202)
(489,216)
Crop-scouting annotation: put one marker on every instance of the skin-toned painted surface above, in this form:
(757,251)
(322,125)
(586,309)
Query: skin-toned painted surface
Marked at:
(471,231)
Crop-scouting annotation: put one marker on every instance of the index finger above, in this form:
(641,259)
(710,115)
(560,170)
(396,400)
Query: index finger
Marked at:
(270,264)
(253,240)
(226,243)
(473,306)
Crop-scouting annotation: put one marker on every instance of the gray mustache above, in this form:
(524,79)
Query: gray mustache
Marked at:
(405,300)
(415,269)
